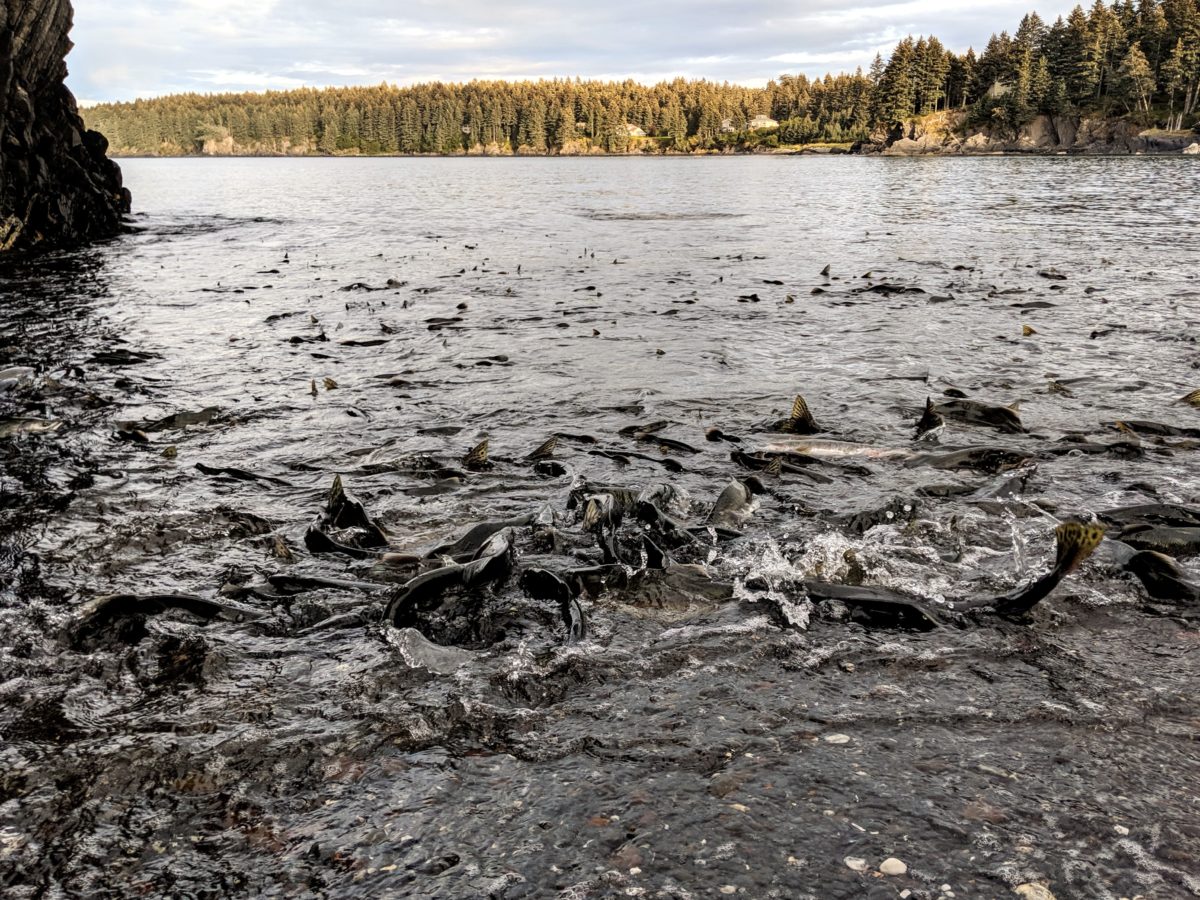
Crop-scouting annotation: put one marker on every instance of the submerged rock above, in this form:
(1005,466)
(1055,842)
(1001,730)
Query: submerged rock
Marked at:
(57,186)
(893,866)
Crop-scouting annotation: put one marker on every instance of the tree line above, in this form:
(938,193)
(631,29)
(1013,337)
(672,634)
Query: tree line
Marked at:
(1139,59)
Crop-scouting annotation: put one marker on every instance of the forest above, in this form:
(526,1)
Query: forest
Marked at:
(1140,60)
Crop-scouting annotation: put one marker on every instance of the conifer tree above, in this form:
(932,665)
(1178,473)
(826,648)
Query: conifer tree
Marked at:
(1136,80)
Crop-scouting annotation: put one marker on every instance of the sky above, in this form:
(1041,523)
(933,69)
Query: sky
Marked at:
(125,49)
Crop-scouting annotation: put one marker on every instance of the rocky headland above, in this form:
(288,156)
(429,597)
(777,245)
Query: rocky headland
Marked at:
(949,133)
(57,186)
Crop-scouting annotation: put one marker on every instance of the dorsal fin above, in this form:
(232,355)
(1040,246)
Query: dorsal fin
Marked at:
(1015,406)
(478,456)
(1192,399)
(774,467)
(546,450)
(928,404)
(337,494)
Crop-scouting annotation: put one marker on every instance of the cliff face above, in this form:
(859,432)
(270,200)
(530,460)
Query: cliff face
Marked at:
(57,187)
(946,133)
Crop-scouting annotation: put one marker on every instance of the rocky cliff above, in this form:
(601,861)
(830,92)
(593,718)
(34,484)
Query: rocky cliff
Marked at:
(57,187)
(948,133)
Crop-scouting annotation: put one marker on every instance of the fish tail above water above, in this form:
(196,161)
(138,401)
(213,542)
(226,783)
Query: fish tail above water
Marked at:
(1074,543)
(477,456)
(801,420)
(545,451)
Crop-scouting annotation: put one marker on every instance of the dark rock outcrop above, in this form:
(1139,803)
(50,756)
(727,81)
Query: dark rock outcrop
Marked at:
(948,133)
(57,186)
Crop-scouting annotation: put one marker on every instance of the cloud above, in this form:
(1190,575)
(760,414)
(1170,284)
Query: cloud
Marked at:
(131,48)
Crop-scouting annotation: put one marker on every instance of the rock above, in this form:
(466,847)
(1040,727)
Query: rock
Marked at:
(1192,150)
(1034,892)
(837,738)
(57,186)
(893,866)
(855,863)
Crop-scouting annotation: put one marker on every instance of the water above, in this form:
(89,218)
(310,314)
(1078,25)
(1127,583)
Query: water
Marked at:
(682,750)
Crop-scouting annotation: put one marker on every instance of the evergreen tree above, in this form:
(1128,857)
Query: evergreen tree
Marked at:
(1136,79)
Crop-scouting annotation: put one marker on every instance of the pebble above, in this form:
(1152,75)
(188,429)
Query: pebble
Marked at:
(945,887)
(855,863)
(1121,830)
(728,889)
(893,866)
(1034,892)
(837,738)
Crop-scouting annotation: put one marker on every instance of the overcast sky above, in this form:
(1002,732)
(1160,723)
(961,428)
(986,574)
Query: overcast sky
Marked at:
(141,48)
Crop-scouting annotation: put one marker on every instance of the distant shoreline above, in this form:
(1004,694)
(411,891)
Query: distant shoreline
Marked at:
(1110,154)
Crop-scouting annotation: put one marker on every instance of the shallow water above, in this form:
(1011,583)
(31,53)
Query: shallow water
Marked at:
(677,752)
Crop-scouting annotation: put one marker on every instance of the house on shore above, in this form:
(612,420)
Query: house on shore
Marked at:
(758,123)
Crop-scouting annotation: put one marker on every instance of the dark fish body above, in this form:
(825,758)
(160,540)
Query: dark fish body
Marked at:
(736,503)
(465,547)
(1162,578)
(992,460)
(1172,540)
(494,562)
(183,420)
(98,614)
(676,587)
(876,606)
(974,412)
(1074,543)
(1156,429)
(1153,514)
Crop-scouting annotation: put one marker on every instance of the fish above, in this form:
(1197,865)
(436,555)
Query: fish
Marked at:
(1074,543)
(11,427)
(542,584)
(1162,578)
(97,614)
(974,412)
(183,420)
(240,474)
(992,460)
(1156,429)
(493,562)
(1172,539)
(831,449)
(736,503)
(354,533)
(1169,514)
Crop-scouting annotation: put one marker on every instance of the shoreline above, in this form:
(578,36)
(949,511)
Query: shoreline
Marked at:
(1098,154)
